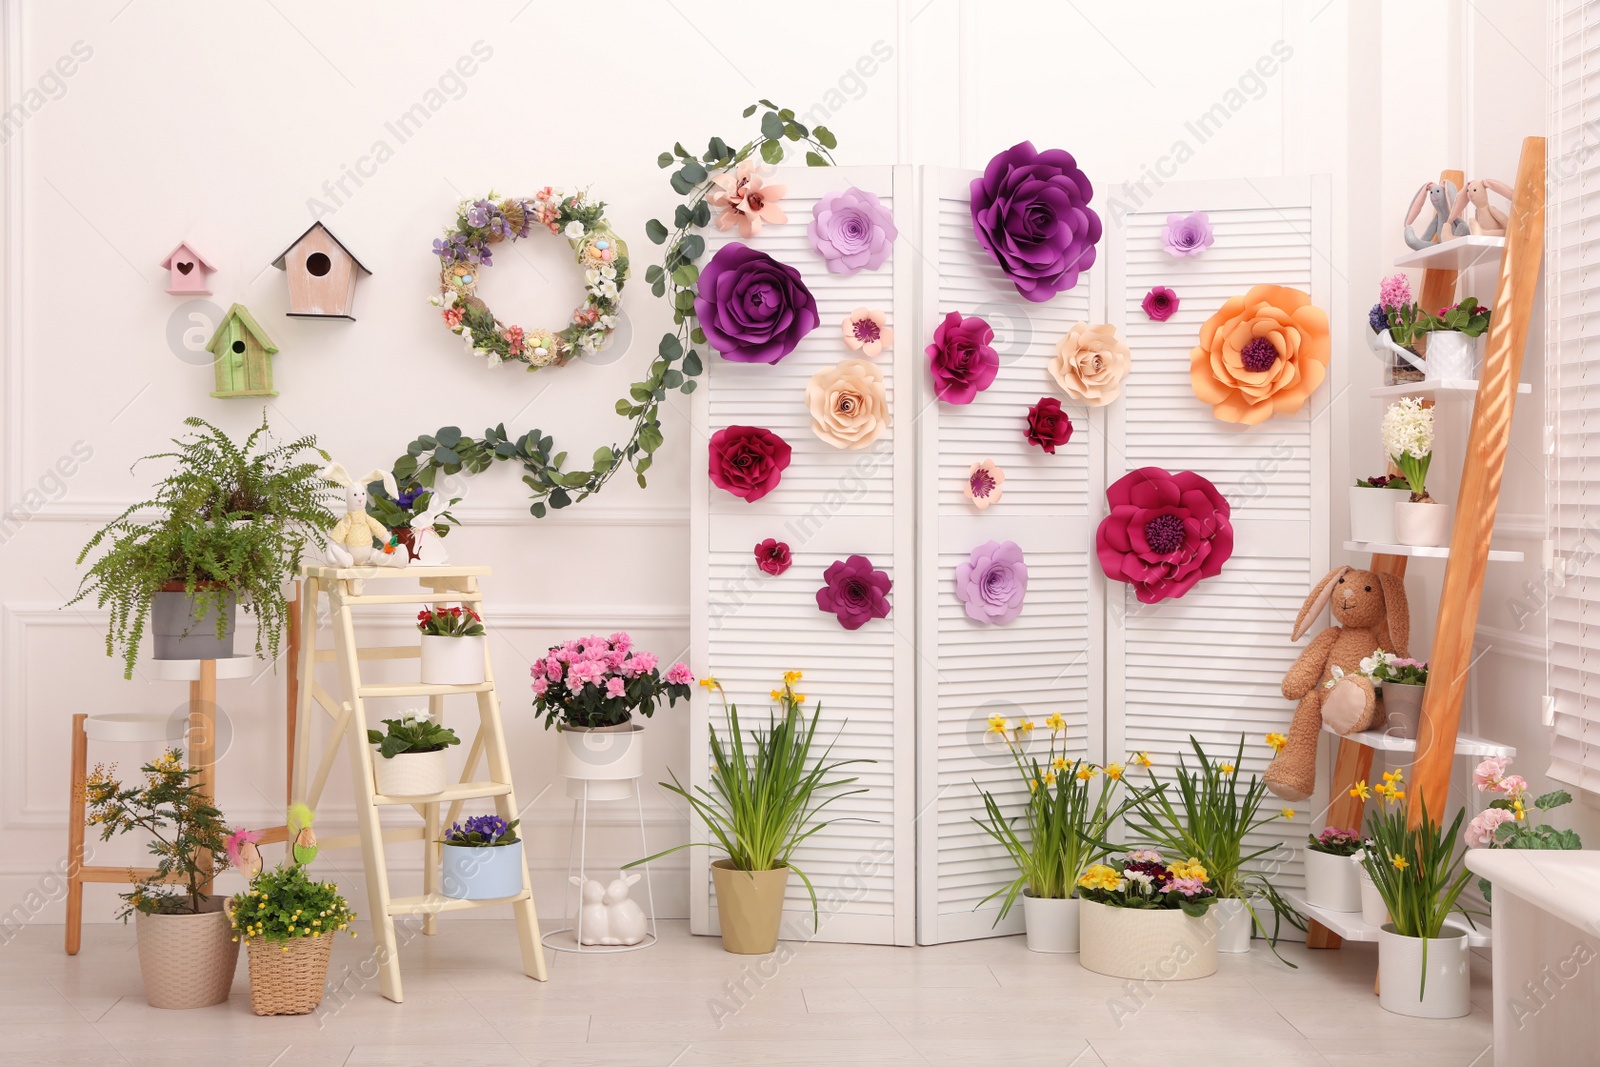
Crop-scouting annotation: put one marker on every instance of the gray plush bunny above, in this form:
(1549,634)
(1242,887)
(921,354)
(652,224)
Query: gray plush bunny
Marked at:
(1441,197)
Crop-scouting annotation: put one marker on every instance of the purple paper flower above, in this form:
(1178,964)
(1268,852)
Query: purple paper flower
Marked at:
(993,582)
(1187,235)
(854,591)
(1160,304)
(962,360)
(752,308)
(1030,212)
(1165,532)
(852,231)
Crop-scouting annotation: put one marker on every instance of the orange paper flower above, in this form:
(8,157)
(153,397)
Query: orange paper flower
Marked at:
(1261,354)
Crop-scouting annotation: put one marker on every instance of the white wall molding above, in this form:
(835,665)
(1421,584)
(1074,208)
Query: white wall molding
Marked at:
(1511,643)
(1522,526)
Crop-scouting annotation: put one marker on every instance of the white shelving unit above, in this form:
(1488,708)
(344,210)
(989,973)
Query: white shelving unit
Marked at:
(1496,555)
(1466,744)
(1459,389)
(1348,924)
(1457,254)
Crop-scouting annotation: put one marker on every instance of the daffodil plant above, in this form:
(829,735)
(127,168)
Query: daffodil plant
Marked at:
(1058,833)
(1207,813)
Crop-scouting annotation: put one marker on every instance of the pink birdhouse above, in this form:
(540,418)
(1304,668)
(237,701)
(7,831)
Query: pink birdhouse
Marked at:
(188,271)
(322,275)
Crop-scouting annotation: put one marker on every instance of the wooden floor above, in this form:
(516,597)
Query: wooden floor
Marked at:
(685,1001)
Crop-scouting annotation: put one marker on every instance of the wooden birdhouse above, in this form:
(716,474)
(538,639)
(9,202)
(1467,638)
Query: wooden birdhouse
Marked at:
(322,275)
(243,354)
(188,272)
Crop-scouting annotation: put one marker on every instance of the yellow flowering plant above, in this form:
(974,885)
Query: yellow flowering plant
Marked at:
(283,903)
(1059,831)
(1145,879)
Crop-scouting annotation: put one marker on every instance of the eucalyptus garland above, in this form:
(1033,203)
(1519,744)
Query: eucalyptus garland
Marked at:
(678,362)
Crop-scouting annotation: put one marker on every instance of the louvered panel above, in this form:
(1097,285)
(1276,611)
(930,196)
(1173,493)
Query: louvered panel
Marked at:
(1211,664)
(750,627)
(1048,659)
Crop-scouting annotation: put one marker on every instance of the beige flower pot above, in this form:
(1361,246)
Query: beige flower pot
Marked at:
(410,774)
(1421,525)
(187,961)
(1147,944)
(749,907)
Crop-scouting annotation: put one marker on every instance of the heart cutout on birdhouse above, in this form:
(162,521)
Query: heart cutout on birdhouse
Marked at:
(185,268)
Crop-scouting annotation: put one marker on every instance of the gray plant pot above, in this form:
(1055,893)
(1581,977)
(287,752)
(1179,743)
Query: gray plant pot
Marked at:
(181,629)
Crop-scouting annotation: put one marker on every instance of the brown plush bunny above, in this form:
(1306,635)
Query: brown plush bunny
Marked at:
(1370,612)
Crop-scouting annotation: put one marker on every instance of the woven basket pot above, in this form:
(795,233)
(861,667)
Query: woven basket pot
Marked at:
(187,961)
(287,977)
(1148,944)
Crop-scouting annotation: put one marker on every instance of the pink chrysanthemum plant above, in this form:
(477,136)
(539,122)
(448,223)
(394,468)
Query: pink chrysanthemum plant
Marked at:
(596,681)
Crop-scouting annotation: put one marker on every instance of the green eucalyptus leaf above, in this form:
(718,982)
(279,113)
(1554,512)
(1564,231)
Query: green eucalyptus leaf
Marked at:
(814,160)
(771,126)
(654,230)
(664,160)
(691,363)
(693,172)
(670,347)
(772,152)
(825,137)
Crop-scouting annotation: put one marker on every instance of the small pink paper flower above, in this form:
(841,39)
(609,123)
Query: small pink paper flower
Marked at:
(746,200)
(983,483)
(1480,831)
(865,332)
(1160,304)
(1187,235)
(773,557)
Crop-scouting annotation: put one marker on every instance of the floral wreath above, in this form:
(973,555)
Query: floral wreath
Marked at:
(465,250)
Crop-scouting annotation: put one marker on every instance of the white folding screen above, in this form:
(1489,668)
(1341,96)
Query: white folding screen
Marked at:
(1047,659)
(1210,664)
(749,627)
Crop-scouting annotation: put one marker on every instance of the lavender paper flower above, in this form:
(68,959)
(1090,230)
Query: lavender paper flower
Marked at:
(752,308)
(852,231)
(1187,235)
(993,582)
(855,591)
(1030,212)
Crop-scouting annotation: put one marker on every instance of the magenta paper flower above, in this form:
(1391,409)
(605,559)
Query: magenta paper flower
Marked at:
(1160,304)
(752,308)
(993,582)
(747,461)
(773,557)
(852,231)
(1187,235)
(1048,425)
(1165,532)
(855,591)
(962,358)
(1031,213)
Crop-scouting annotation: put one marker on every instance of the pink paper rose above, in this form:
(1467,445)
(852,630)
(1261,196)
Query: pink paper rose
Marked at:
(1165,532)
(962,358)
(748,461)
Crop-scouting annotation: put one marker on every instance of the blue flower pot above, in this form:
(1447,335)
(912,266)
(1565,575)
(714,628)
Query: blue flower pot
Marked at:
(483,873)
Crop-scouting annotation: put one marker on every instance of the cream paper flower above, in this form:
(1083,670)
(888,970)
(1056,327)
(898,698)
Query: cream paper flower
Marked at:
(1091,362)
(848,406)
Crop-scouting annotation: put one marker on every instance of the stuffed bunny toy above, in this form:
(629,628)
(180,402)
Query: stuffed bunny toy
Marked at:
(626,921)
(593,920)
(1439,196)
(350,540)
(1369,612)
(1487,220)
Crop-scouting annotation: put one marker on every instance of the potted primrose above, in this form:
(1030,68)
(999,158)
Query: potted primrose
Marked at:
(1333,869)
(1372,502)
(453,651)
(411,751)
(1143,917)
(483,859)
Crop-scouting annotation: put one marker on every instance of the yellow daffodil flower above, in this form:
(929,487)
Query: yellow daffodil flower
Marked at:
(1142,758)
(1026,726)
(1226,768)
(1360,791)
(777,694)
(1288,813)
(799,698)
(998,724)
(1049,777)
(1114,771)
(1055,722)
(1086,772)
(1277,741)
(709,682)
(1033,786)
(1059,763)
(791,677)
(1400,862)
(1394,777)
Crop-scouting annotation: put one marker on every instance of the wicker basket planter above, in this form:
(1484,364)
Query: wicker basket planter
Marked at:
(187,961)
(287,977)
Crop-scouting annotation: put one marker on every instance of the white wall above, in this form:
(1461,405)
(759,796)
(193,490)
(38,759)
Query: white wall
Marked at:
(223,124)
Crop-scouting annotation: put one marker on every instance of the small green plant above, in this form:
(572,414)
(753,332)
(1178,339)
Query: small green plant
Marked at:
(1061,823)
(413,731)
(182,824)
(766,793)
(1208,818)
(1467,317)
(283,903)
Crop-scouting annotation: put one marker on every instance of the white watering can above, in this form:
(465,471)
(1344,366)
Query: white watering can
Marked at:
(1451,355)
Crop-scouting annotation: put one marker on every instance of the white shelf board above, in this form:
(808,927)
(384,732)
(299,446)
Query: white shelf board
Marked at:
(1458,253)
(188,670)
(1496,555)
(1466,744)
(1441,389)
(1348,924)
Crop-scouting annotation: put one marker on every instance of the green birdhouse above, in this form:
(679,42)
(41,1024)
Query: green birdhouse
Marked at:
(243,354)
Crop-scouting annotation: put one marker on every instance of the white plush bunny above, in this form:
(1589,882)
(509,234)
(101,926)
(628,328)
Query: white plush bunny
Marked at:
(350,540)
(627,923)
(593,921)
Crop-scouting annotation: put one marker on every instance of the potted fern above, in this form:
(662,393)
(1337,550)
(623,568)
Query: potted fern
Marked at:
(228,523)
(765,798)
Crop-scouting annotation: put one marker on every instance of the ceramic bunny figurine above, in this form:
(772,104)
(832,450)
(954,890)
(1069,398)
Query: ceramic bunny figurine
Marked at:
(425,540)
(593,920)
(1487,220)
(1439,196)
(350,540)
(627,924)
(1369,612)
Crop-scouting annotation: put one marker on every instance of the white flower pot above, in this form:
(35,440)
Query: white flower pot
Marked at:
(1451,354)
(452,660)
(1421,525)
(1146,944)
(1332,882)
(1402,709)
(600,762)
(1372,513)
(1447,992)
(482,873)
(1052,923)
(1374,912)
(1232,922)
(410,774)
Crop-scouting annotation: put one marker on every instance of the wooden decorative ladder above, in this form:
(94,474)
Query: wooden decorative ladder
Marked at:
(1438,735)
(345,590)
